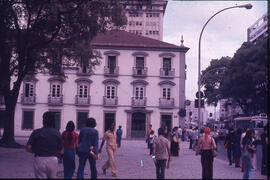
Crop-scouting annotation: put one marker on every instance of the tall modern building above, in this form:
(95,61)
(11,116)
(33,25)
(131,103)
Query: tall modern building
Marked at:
(258,29)
(145,19)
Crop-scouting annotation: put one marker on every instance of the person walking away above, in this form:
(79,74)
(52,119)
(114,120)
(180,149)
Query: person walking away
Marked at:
(151,141)
(215,136)
(237,147)
(70,141)
(174,142)
(206,144)
(183,138)
(161,153)
(179,131)
(228,144)
(247,158)
(194,138)
(241,144)
(149,129)
(264,142)
(88,137)
(119,133)
(190,132)
(46,143)
(110,138)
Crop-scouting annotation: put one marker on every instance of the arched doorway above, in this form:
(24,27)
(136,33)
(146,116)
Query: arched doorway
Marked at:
(138,122)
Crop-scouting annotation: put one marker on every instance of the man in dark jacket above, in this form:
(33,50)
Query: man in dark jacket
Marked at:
(88,137)
(228,144)
(264,142)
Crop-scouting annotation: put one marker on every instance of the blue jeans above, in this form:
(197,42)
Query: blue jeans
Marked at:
(69,163)
(248,168)
(92,162)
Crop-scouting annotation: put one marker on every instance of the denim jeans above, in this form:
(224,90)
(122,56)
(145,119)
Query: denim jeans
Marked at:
(69,163)
(249,168)
(92,162)
(160,168)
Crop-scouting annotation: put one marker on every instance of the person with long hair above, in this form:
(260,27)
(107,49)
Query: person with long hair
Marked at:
(248,152)
(70,141)
(206,144)
(237,147)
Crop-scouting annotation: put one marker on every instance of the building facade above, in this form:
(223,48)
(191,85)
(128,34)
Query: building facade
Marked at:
(258,29)
(140,81)
(145,19)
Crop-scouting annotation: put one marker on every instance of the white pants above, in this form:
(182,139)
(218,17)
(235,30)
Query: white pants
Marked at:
(45,167)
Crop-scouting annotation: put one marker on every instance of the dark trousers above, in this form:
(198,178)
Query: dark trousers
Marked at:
(190,143)
(264,160)
(160,168)
(69,163)
(229,154)
(151,148)
(118,141)
(92,162)
(207,164)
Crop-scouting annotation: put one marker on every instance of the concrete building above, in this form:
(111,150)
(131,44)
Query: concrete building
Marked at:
(258,29)
(140,81)
(145,18)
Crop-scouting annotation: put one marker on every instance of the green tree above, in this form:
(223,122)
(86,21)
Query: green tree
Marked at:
(41,35)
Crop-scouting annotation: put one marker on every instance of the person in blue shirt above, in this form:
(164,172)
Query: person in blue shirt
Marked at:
(119,136)
(88,137)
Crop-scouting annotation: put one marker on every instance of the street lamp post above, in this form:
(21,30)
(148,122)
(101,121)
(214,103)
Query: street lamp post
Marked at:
(247,6)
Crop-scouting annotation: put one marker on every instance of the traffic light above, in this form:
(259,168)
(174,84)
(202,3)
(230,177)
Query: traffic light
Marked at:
(197,102)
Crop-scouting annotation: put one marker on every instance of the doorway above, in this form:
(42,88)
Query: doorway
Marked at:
(138,123)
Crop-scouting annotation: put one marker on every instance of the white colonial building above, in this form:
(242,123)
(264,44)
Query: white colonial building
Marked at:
(140,81)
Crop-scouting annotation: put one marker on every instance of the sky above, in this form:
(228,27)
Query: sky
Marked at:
(222,36)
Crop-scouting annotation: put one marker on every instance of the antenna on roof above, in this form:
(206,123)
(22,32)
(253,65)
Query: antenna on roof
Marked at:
(182,40)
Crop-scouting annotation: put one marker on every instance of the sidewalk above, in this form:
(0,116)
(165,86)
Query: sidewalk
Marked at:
(17,163)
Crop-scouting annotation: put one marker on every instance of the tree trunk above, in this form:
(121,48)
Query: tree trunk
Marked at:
(8,139)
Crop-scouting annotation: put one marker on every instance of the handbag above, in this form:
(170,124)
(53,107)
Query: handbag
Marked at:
(214,152)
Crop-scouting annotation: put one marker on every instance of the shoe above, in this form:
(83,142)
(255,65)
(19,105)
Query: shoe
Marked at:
(114,175)
(104,171)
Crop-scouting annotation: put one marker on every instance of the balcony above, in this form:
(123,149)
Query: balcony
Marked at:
(30,100)
(111,71)
(55,101)
(139,72)
(166,103)
(84,71)
(110,101)
(138,102)
(82,101)
(167,73)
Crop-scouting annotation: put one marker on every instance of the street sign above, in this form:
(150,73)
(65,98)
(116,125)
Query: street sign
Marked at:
(197,103)
(197,94)
(187,102)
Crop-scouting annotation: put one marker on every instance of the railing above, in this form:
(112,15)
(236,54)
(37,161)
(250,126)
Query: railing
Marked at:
(84,71)
(28,100)
(139,72)
(55,101)
(110,101)
(111,70)
(139,102)
(82,101)
(167,73)
(166,103)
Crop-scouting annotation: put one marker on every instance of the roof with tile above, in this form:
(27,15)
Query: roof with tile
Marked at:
(120,38)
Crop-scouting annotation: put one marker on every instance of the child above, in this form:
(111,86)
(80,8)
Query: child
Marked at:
(151,140)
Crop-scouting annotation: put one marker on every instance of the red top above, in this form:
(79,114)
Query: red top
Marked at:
(66,141)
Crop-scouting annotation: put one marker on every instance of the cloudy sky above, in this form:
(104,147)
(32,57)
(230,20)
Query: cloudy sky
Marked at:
(222,36)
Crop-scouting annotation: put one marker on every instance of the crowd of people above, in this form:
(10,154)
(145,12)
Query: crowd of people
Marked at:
(47,144)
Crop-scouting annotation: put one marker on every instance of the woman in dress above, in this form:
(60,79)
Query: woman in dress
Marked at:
(206,144)
(70,141)
(174,142)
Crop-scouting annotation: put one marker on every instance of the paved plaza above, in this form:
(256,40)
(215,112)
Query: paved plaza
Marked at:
(17,163)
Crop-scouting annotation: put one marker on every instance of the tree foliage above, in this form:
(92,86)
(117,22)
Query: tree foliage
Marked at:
(41,35)
(245,80)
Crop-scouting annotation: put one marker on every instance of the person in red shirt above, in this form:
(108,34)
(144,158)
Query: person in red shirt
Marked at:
(70,141)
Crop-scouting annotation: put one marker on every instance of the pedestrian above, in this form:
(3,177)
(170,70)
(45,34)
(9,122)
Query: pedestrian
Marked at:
(179,131)
(241,144)
(183,138)
(119,133)
(264,142)
(149,129)
(88,137)
(161,154)
(151,141)
(205,145)
(228,144)
(46,143)
(237,147)
(110,138)
(174,142)
(215,136)
(166,133)
(194,138)
(70,141)
(190,132)
(247,158)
